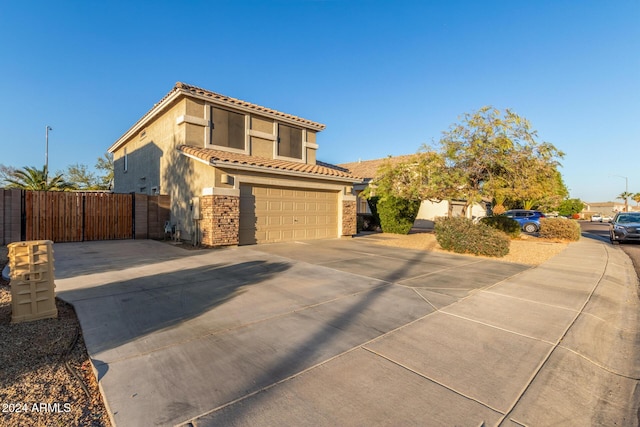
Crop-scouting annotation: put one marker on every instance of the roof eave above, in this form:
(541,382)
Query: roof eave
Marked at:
(177,91)
(303,123)
(144,120)
(266,169)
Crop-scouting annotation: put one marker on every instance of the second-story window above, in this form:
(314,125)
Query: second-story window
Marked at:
(289,141)
(228,129)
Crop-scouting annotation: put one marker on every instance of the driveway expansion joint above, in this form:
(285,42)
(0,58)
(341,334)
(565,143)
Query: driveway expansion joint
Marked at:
(537,371)
(458,392)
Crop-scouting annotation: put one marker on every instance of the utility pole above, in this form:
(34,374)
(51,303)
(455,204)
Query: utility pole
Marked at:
(46,154)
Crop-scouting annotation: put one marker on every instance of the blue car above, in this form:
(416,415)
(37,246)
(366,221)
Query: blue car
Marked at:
(529,220)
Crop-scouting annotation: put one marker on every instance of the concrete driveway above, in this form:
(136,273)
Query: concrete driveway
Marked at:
(347,332)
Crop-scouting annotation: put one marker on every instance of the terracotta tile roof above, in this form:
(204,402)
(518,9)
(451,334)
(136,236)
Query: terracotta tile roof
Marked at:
(216,98)
(239,103)
(228,159)
(368,169)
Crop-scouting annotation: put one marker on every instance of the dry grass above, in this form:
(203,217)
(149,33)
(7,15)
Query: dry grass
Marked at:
(45,371)
(527,250)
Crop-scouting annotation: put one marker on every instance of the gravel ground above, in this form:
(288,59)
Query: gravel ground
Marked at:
(526,250)
(45,373)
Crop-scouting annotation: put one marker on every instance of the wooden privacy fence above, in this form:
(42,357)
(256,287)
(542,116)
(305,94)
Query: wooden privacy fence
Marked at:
(80,216)
(76,217)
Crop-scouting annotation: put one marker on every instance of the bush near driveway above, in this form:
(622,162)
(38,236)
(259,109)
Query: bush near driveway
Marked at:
(397,215)
(462,236)
(559,228)
(505,224)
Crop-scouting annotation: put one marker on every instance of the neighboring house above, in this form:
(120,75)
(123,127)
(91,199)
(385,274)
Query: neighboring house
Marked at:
(237,173)
(367,170)
(606,208)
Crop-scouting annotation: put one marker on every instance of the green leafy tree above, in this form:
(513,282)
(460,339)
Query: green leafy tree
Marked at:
(558,193)
(395,195)
(494,153)
(636,198)
(424,176)
(488,156)
(397,215)
(570,206)
(80,177)
(104,165)
(32,178)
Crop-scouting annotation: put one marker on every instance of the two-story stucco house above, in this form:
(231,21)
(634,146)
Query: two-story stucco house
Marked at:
(237,173)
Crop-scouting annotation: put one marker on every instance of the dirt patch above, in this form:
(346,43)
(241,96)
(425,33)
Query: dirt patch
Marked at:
(527,250)
(46,377)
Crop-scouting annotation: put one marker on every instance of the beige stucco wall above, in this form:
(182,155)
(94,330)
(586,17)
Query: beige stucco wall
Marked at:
(186,179)
(311,156)
(311,136)
(261,147)
(194,107)
(261,124)
(147,155)
(194,134)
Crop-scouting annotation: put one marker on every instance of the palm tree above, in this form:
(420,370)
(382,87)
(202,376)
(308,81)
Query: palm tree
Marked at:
(32,178)
(636,198)
(625,196)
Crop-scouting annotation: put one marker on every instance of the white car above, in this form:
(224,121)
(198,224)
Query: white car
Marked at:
(596,218)
(607,218)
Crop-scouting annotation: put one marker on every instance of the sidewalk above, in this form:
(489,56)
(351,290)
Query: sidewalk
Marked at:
(333,340)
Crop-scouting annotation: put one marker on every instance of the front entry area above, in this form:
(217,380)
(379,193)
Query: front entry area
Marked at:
(281,214)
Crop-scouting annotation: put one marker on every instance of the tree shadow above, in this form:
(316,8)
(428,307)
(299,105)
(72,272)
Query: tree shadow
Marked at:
(305,354)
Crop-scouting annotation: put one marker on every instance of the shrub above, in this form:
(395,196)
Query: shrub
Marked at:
(462,236)
(373,207)
(397,215)
(505,224)
(367,222)
(559,228)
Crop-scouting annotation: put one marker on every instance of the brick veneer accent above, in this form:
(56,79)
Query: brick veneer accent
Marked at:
(349,221)
(219,220)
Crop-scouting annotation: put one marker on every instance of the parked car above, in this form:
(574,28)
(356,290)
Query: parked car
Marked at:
(625,227)
(596,217)
(607,218)
(529,220)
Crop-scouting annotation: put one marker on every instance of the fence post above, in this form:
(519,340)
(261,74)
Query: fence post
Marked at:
(84,217)
(133,215)
(23,214)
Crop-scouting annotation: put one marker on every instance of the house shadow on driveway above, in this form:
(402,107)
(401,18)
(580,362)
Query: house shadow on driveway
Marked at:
(152,306)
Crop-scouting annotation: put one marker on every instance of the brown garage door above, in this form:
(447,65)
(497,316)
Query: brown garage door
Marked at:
(279,214)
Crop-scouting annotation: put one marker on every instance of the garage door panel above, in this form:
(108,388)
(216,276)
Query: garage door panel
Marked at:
(288,205)
(274,214)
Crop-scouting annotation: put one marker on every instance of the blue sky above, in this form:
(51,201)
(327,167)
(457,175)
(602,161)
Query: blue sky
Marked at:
(384,76)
